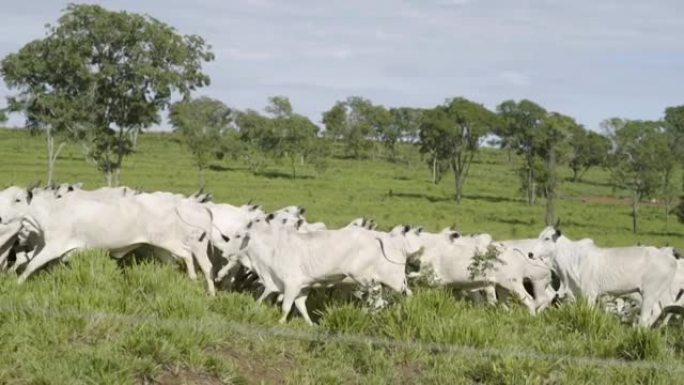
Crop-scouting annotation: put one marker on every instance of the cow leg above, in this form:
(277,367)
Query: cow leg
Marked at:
(288,300)
(490,295)
(225,270)
(46,255)
(206,267)
(300,303)
(264,294)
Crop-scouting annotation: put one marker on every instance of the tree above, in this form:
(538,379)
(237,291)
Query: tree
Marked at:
(202,124)
(112,72)
(588,149)
(3,116)
(256,135)
(674,129)
(454,131)
(522,122)
(355,121)
(294,135)
(404,123)
(635,163)
(550,145)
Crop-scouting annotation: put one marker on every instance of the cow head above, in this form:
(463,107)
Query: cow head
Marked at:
(14,202)
(545,246)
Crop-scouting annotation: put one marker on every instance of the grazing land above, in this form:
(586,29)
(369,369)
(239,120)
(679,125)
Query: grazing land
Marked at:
(93,322)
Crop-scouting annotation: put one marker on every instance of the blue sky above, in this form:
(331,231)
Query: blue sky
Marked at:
(590,59)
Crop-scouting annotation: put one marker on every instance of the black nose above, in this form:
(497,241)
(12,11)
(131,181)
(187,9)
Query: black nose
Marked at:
(530,255)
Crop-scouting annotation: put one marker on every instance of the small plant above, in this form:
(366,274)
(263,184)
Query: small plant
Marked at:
(483,262)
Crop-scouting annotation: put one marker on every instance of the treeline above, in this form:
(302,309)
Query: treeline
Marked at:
(100,78)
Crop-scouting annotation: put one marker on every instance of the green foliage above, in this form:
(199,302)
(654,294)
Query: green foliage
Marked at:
(203,126)
(452,134)
(110,73)
(522,123)
(483,263)
(356,121)
(636,165)
(588,149)
(3,116)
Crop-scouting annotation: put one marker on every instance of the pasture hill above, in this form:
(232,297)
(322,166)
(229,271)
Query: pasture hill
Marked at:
(92,321)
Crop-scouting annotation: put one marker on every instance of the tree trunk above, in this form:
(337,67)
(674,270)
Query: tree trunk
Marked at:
(667,196)
(52,155)
(108,177)
(117,176)
(294,169)
(550,189)
(201,178)
(635,208)
(575,174)
(530,186)
(434,170)
(458,179)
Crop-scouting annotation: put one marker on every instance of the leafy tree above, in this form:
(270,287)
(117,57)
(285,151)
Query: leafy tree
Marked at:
(256,135)
(203,124)
(550,146)
(356,121)
(432,132)
(522,122)
(294,136)
(51,92)
(404,124)
(674,129)
(3,116)
(112,72)
(636,160)
(588,149)
(454,132)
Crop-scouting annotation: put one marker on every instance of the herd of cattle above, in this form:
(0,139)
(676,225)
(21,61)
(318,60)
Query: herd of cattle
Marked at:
(289,256)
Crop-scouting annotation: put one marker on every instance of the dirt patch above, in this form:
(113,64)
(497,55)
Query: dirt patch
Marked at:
(181,376)
(409,372)
(256,369)
(609,200)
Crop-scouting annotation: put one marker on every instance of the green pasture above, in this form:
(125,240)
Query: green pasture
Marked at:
(91,321)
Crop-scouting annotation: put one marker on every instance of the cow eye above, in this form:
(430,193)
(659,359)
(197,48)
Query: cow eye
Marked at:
(546,239)
(238,236)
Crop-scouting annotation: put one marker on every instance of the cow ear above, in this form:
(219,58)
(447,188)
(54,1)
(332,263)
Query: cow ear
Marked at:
(556,235)
(419,230)
(302,210)
(225,238)
(406,229)
(269,217)
(454,235)
(300,222)
(29,196)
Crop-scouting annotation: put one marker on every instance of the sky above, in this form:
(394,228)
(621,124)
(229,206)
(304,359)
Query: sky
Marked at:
(590,59)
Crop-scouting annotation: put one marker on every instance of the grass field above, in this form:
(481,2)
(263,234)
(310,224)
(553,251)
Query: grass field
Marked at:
(93,322)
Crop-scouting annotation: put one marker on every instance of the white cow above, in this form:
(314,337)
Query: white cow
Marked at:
(451,258)
(293,262)
(75,222)
(295,215)
(590,271)
(9,233)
